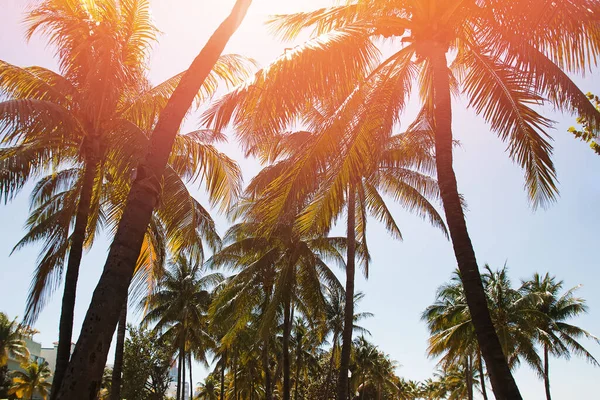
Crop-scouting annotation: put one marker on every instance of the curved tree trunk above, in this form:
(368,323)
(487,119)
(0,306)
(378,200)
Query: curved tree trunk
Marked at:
(503,383)
(115,391)
(342,385)
(287,325)
(84,374)
(547,373)
(67,311)
(191,378)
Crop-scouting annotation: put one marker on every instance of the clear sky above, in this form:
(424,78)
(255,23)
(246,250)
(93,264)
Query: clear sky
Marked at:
(562,239)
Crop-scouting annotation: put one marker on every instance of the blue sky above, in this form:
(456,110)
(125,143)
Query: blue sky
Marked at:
(562,239)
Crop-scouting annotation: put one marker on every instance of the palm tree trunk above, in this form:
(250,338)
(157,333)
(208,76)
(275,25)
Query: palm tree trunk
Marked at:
(223,366)
(191,378)
(482,376)
(267,369)
(503,383)
(84,374)
(115,391)
(67,311)
(330,371)
(235,387)
(547,373)
(178,397)
(469,370)
(342,385)
(298,361)
(183,376)
(287,323)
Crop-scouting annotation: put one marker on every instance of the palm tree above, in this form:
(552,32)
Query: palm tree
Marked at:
(179,310)
(453,333)
(503,61)
(120,264)
(11,340)
(208,390)
(78,132)
(35,378)
(556,336)
(275,273)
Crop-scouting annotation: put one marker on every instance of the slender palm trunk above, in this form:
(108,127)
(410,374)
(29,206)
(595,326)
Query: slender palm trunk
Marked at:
(267,369)
(223,366)
(115,391)
(342,385)
(482,376)
(183,361)
(547,373)
(179,373)
(235,386)
(191,378)
(469,373)
(67,312)
(503,383)
(298,364)
(84,373)
(287,325)
(330,371)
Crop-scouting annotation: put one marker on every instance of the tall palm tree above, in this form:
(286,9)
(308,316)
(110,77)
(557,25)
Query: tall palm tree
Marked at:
(503,60)
(35,378)
(179,311)
(556,336)
(54,121)
(112,287)
(11,340)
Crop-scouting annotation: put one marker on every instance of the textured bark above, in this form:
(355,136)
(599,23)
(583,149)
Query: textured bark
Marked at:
(287,325)
(503,383)
(482,376)
(115,391)
(547,373)
(84,373)
(342,385)
(67,312)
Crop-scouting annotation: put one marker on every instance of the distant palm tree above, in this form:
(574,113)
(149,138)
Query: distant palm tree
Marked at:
(208,390)
(35,378)
(179,310)
(556,336)
(11,340)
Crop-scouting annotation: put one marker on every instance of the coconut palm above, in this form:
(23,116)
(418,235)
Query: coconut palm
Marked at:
(11,340)
(179,311)
(208,390)
(504,59)
(143,198)
(87,128)
(34,379)
(275,273)
(556,336)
